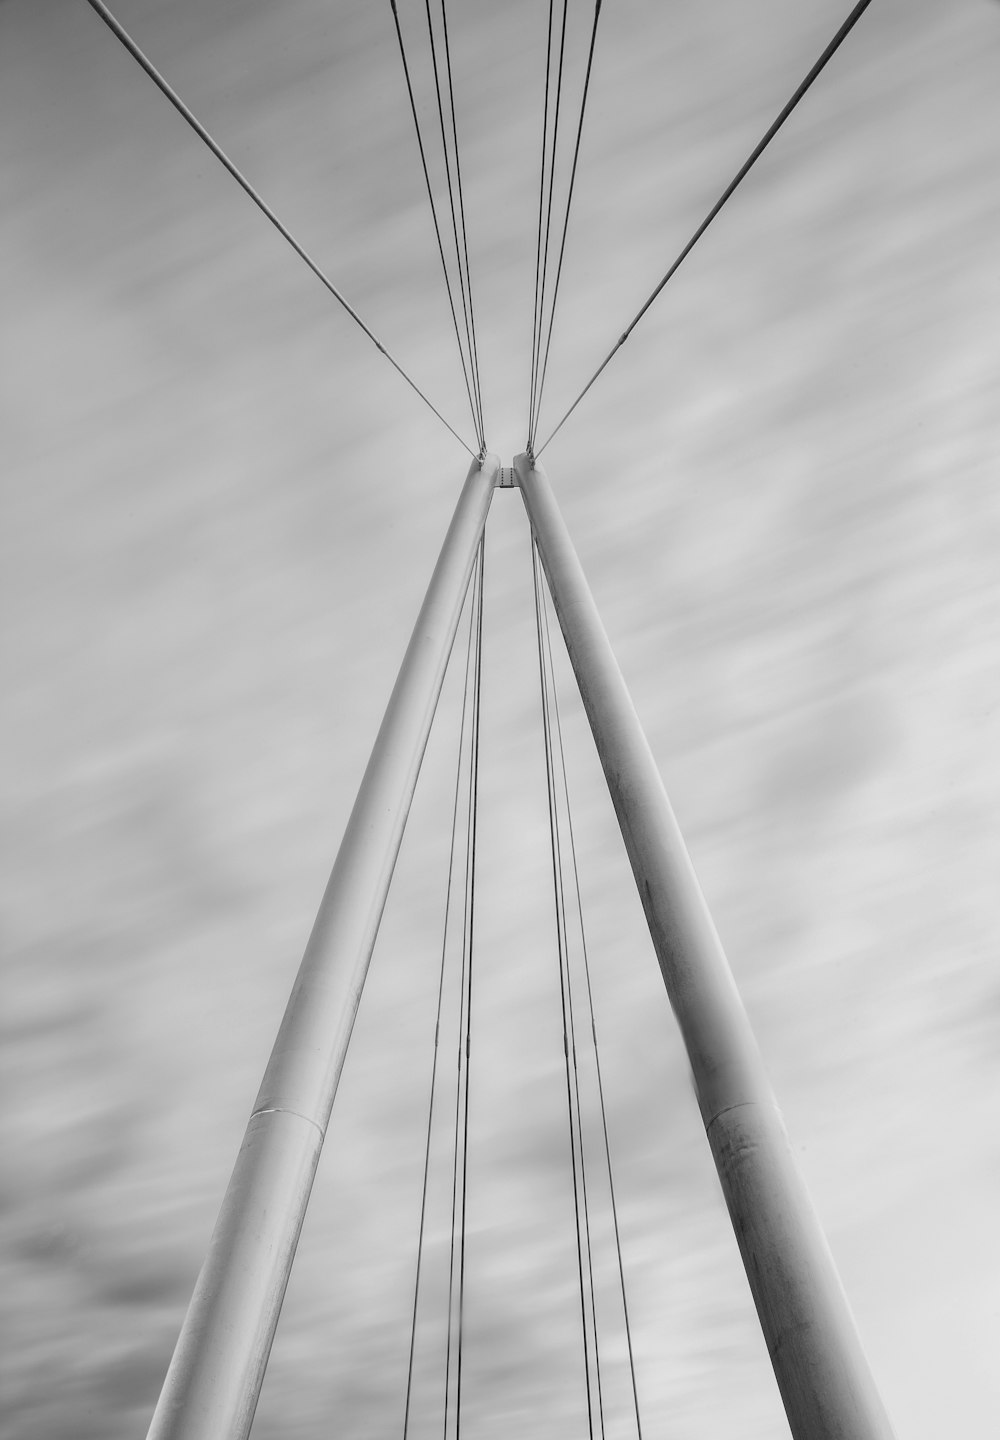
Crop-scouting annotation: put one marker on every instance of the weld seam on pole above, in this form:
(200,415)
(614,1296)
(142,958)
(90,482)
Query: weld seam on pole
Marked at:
(286,1110)
(743,1105)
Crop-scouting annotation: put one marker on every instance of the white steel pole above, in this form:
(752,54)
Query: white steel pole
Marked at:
(214,1379)
(823,1376)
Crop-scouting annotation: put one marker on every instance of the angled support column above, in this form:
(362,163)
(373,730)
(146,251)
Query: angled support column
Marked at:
(826,1386)
(214,1379)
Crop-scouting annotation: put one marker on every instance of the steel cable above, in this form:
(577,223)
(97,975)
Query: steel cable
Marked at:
(464,281)
(553,735)
(740,175)
(548,215)
(461,214)
(577,1158)
(536,409)
(593,1027)
(543,245)
(130,45)
(437,228)
(465,1011)
(471,916)
(474,589)
(541,212)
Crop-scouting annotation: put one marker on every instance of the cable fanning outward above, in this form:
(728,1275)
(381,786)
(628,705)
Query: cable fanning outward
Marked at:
(541,206)
(476,411)
(461,215)
(536,399)
(740,175)
(457,210)
(548,170)
(199,129)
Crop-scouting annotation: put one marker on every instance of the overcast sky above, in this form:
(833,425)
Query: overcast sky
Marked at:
(220,510)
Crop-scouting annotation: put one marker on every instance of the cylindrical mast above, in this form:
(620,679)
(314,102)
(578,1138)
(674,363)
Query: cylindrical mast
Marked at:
(824,1379)
(214,1379)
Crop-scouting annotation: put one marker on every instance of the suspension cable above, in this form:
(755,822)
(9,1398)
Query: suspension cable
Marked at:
(440,999)
(461,212)
(740,175)
(437,228)
(541,211)
(464,281)
(555,746)
(593,1022)
(548,215)
(130,45)
(562,244)
(543,245)
(577,1158)
(470,931)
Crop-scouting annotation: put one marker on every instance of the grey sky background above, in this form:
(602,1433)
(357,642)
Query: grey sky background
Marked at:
(221,508)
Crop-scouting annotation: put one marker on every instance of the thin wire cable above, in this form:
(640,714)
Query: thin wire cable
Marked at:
(541,211)
(440,1001)
(451,202)
(569,203)
(130,45)
(533,417)
(744,170)
(437,228)
(473,813)
(464,1037)
(561,945)
(593,1028)
(554,742)
(552,184)
(461,212)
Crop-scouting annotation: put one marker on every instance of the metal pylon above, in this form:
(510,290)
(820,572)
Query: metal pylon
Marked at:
(214,1379)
